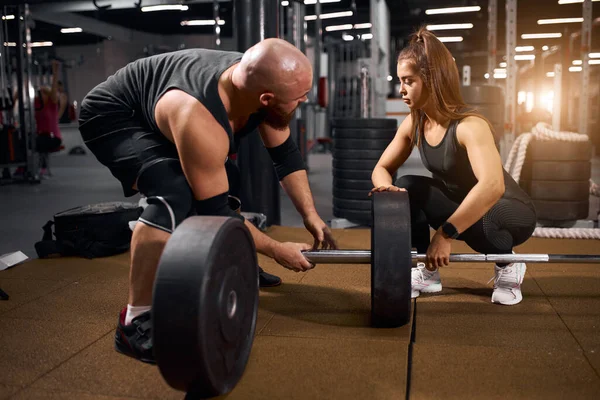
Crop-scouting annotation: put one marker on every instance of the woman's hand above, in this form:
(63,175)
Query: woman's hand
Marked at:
(438,252)
(390,188)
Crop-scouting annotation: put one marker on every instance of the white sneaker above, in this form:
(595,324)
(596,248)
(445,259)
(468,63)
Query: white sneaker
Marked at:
(507,284)
(424,281)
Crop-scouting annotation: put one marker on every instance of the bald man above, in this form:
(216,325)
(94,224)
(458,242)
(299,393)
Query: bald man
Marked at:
(165,126)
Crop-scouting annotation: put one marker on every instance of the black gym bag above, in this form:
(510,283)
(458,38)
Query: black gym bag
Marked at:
(96,230)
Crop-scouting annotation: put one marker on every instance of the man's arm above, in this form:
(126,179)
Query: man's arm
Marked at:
(292,173)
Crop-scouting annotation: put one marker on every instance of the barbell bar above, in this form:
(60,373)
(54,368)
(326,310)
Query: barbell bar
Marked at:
(364,257)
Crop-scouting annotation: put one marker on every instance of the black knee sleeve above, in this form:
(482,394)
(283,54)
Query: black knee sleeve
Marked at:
(168,194)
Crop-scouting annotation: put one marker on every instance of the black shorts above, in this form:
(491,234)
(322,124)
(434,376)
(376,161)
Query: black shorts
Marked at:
(125,144)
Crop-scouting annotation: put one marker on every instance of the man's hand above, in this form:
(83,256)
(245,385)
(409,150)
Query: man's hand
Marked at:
(289,255)
(318,228)
(438,252)
(390,188)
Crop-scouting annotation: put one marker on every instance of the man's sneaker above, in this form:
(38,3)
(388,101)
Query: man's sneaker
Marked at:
(135,340)
(266,279)
(424,281)
(507,284)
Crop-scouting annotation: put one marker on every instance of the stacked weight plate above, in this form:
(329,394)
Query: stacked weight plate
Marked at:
(488,101)
(358,145)
(556,175)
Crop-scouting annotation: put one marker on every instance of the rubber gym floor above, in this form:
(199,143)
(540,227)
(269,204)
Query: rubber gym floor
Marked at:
(313,339)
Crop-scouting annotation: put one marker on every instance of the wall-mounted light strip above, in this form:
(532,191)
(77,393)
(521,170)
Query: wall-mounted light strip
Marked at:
(339,14)
(452,10)
(503,64)
(366,36)
(165,7)
(524,48)
(594,55)
(71,30)
(541,35)
(450,39)
(590,62)
(201,22)
(366,25)
(446,27)
(346,27)
(575,69)
(523,57)
(41,44)
(8,17)
(550,74)
(560,21)
(572,1)
(347,37)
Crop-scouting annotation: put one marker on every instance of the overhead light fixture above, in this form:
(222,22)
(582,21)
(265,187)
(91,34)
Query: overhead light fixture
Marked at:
(541,35)
(322,1)
(577,62)
(390,78)
(366,36)
(452,10)
(41,44)
(575,69)
(559,21)
(572,1)
(499,76)
(339,14)
(499,70)
(594,55)
(524,48)
(285,3)
(347,37)
(523,57)
(10,44)
(594,62)
(165,7)
(71,30)
(446,27)
(550,74)
(545,48)
(503,65)
(366,25)
(450,39)
(201,22)
(8,17)
(334,28)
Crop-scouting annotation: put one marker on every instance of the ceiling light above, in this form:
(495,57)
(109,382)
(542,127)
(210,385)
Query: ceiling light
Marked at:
(450,39)
(322,1)
(333,28)
(41,44)
(545,48)
(71,30)
(366,36)
(541,35)
(524,48)
(366,25)
(550,74)
(390,78)
(285,3)
(486,76)
(575,69)
(500,70)
(452,10)
(499,76)
(7,17)
(559,21)
(577,62)
(339,14)
(503,64)
(522,57)
(445,27)
(10,44)
(594,62)
(571,1)
(594,55)
(165,7)
(201,22)
(347,37)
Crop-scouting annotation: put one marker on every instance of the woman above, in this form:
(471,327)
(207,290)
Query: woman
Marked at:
(470,197)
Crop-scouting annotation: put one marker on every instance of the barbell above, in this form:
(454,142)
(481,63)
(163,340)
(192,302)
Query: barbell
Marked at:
(205,297)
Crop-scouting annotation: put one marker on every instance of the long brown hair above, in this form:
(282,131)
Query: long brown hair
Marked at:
(434,64)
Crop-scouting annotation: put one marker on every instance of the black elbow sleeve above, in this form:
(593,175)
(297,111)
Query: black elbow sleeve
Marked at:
(286,158)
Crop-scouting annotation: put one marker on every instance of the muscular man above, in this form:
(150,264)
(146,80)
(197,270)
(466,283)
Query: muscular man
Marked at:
(165,125)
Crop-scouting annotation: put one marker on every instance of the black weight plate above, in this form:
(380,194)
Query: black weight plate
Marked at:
(205,304)
(357,154)
(355,164)
(352,173)
(556,170)
(482,94)
(356,216)
(557,190)
(355,184)
(361,144)
(359,123)
(347,194)
(364,205)
(559,150)
(391,260)
(561,210)
(364,133)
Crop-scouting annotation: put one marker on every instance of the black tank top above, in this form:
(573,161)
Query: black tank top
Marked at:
(449,163)
(139,85)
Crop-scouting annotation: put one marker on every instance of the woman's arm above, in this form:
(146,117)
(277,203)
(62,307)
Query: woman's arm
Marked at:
(475,135)
(394,155)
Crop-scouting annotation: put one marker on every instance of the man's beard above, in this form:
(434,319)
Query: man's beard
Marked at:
(277,119)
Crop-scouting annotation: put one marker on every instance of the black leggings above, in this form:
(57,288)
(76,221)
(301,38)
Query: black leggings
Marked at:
(507,224)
